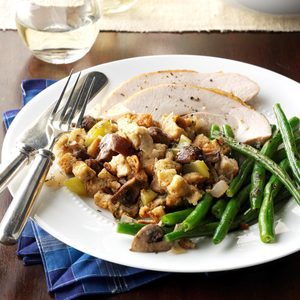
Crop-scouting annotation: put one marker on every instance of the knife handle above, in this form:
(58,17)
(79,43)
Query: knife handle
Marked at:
(15,166)
(21,206)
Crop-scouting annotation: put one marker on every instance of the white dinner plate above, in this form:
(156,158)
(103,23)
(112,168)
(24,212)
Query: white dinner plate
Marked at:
(77,222)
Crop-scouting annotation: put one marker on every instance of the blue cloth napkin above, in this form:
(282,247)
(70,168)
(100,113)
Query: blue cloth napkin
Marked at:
(30,88)
(69,272)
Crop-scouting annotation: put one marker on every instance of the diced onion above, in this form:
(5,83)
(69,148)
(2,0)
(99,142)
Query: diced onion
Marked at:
(126,219)
(219,189)
(177,249)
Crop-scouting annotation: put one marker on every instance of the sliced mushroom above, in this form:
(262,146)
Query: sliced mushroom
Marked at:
(88,122)
(119,210)
(129,192)
(158,135)
(111,144)
(150,239)
(188,154)
(80,154)
(212,151)
(94,164)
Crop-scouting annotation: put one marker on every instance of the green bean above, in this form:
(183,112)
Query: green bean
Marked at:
(176,217)
(281,154)
(241,178)
(258,179)
(251,215)
(295,123)
(266,213)
(129,228)
(203,230)
(208,229)
(231,210)
(266,162)
(288,141)
(218,208)
(258,176)
(227,130)
(199,213)
(266,218)
(213,128)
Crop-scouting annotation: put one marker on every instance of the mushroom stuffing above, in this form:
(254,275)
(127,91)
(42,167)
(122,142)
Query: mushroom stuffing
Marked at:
(140,168)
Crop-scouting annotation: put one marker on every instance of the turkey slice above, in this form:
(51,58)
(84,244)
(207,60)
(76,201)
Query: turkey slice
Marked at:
(231,83)
(211,107)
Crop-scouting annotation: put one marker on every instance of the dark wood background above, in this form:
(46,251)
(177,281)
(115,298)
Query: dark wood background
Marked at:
(279,52)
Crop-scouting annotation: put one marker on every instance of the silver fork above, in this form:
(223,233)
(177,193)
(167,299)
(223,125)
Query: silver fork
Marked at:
(59,122)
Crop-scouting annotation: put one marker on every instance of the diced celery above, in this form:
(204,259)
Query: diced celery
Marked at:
(147,195)
(198,166)
(76,186)
(183,141)
(101,128)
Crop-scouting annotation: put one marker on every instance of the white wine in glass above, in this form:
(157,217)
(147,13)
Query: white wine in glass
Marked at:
(58,31)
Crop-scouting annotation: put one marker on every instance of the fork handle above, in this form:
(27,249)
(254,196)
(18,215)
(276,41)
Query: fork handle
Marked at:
(10,171)
(21,206)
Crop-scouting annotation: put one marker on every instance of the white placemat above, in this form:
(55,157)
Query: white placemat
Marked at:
(180,16)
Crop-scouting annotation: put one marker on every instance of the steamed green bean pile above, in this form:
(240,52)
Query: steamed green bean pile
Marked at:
(268,176)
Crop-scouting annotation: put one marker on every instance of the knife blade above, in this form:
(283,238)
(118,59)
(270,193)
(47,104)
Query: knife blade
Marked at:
(35,137)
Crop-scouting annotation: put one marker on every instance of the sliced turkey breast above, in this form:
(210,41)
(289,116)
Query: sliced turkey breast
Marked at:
(234,84)
(211,107)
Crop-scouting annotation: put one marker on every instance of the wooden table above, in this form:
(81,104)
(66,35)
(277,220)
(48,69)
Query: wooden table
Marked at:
(276,51)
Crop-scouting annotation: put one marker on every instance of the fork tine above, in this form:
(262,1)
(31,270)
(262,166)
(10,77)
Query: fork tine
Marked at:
(79,120)
(61,96)
(63,114)
(77,102)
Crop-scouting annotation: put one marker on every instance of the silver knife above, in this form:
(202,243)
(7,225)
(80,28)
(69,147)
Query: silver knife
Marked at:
(35,138)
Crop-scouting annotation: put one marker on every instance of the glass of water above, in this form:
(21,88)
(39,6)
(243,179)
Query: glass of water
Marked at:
(58,31)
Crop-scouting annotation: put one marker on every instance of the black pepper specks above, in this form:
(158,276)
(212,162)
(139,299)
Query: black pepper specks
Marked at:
(195,99)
